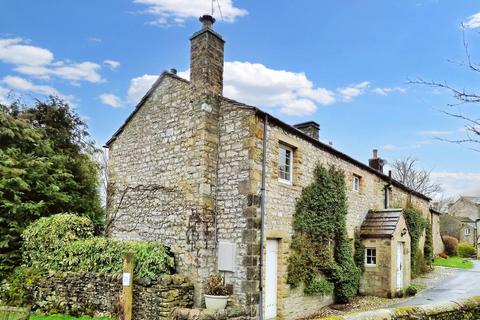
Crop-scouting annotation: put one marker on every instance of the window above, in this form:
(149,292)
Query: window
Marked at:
(467,231)
(285,155)
(356,183)
(371,256)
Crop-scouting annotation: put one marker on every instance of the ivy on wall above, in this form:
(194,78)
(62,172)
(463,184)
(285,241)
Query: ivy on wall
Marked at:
(416,225)
(320,248)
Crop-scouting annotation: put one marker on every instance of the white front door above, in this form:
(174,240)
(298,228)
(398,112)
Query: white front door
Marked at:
(400,265)
(271,279)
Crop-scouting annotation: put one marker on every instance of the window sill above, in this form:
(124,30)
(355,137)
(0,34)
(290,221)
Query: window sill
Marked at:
(285,182)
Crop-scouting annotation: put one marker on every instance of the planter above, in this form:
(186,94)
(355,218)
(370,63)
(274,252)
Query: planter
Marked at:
(215,302)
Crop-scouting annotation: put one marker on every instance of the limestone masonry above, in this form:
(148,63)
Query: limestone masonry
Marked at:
(186,169)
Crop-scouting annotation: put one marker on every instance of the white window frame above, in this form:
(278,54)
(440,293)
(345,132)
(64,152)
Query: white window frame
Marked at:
(371,255)
(290,164)
(356,183)
(467,231)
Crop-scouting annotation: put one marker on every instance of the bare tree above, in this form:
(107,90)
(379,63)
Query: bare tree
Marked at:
(442,203)
(462,96)
(406,171)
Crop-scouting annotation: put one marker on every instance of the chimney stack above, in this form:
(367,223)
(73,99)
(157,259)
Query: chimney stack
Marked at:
(206,58)
(375,162)
(310,128)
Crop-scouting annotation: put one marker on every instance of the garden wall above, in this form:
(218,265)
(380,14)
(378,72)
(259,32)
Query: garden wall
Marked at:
(460,309)
(97,294)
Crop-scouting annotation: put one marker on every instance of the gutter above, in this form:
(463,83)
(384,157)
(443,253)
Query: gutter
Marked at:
(262,217)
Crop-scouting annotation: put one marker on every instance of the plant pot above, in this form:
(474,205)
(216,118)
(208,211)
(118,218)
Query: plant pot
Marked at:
(215,302)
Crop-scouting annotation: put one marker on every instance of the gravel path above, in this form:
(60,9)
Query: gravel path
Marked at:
(365,303)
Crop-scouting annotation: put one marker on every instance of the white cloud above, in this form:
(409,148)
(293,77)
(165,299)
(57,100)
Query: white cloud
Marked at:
(178,11)
(386,91)
(112,64)
(94,39)
(433,133)
(3,95)
(15,51)
(21,84)
(473,21)
(255,84)
(111,100)
(139,87)
(354,90)
(455,184)
(39,62)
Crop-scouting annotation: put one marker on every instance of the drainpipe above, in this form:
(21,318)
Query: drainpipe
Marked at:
(262,217)
(386,189)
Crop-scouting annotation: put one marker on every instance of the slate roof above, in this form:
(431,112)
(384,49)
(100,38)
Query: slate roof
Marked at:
(475,200)
(380,224)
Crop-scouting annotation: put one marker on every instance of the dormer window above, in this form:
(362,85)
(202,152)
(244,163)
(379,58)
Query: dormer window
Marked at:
(285,164)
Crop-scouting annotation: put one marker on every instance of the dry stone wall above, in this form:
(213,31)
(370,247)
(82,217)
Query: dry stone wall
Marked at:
(97,295)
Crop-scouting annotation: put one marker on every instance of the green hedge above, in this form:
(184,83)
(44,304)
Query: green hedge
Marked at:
(466,250)
(43,237)
(65,243)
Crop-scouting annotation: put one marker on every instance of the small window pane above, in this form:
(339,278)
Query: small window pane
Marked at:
(285,164)
(467,231)
(356,183)
(371,256)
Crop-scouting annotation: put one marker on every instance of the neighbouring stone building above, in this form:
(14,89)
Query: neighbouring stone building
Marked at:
(462,228)
(468,207)
(186,168)
(438,246)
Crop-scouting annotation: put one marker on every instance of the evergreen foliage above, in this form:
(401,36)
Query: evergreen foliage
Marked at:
(319,246)
(68,245)
(428,248)
(416,226)
(45,168)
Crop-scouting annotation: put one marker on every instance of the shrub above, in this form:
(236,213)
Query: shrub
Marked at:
(466,250)
(411,290)
(451,244)
(43,237)
(319,286)
(99,254)
(13,290)
(214,285)
(416,225)
(319,246)
(359,255)
(428,247)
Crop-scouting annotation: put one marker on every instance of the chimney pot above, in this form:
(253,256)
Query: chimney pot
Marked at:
(173,71)
(376,162)
(207,21)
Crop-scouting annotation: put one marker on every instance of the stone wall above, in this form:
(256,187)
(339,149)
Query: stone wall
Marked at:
(459,309)
(98,294)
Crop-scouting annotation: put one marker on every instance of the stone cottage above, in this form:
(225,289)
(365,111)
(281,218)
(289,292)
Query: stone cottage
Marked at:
(468,207)
(462,228)
(217,180)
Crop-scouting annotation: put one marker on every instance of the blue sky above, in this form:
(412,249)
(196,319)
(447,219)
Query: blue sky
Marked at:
(344,64)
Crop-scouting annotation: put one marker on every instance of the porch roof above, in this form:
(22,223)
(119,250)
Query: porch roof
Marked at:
(380,224)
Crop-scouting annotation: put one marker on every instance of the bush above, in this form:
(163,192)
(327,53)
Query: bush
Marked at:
(43,237)
(105,255)
(466,250)
(319,286)
(451,244)
(13,289)
(416,225)
(319,246)
(411,290)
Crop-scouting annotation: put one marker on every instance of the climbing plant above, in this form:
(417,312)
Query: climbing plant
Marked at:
(416,225)
(320,248)
(428,248)
(359,255)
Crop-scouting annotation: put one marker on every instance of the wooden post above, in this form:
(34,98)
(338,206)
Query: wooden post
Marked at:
(127,281)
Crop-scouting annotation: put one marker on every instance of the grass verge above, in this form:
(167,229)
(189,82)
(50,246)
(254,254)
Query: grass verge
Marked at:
(453,262)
